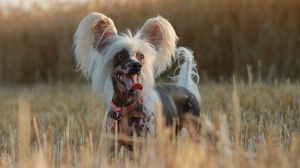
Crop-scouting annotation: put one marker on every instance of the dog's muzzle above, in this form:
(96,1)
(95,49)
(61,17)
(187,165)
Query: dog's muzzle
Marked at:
(130,78)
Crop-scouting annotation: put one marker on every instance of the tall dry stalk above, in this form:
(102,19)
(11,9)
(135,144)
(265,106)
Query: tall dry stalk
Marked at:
(24,120)
(236,121)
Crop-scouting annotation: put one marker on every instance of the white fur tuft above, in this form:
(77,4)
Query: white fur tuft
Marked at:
(188,76)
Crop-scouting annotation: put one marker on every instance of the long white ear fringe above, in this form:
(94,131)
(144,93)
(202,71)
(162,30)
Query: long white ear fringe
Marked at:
(84,41)
(160,33)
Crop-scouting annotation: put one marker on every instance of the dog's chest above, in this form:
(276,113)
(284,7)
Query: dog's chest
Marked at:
(135,122)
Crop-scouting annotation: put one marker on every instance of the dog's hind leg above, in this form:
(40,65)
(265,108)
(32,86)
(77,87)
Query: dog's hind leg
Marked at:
(193,126)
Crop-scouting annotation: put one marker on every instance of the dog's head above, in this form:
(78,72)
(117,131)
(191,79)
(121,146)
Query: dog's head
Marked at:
(127,70)
(132,61)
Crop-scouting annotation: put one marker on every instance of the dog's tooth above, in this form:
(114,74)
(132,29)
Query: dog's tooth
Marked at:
(119,76)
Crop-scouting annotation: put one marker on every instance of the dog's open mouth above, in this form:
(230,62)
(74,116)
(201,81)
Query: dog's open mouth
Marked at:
(130,82)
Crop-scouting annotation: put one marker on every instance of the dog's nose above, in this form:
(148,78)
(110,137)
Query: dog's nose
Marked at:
(136,66)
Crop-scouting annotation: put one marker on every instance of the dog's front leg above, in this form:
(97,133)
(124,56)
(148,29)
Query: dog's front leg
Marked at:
(113,150)
(113,143)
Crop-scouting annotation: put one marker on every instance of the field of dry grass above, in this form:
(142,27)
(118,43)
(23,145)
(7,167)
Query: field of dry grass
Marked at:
(50,118)
(226,35)
(250,125)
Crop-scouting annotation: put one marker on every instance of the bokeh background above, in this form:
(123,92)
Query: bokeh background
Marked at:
(226,36)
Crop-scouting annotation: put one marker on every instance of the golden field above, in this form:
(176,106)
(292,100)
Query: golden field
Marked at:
(51,118)
(250,125)
(226,35)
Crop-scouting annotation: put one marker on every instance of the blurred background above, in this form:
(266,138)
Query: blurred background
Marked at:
(227,36)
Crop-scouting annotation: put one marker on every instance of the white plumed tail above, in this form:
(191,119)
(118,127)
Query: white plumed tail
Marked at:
(188,75)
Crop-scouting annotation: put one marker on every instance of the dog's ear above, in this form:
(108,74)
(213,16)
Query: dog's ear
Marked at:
(161,35)
(104,29)
(92,34)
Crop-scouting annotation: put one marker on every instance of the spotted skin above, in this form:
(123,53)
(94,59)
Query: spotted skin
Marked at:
(133,122)
(178,103)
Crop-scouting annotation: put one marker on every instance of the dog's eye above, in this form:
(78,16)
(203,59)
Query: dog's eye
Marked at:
(141,56)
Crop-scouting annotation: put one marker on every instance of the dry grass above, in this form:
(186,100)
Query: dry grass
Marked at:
(59,125)
(226,35)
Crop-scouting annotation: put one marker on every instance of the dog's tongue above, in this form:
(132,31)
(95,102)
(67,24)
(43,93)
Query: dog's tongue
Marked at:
(131,82)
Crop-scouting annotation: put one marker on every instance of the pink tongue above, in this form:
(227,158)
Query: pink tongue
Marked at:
(132,82)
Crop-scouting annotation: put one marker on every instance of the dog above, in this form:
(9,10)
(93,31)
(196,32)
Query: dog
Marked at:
(122,69)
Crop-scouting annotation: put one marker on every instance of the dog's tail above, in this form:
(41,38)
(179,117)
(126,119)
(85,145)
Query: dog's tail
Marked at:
(188,76)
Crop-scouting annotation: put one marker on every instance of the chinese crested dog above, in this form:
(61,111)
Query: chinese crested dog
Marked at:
(123,68)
